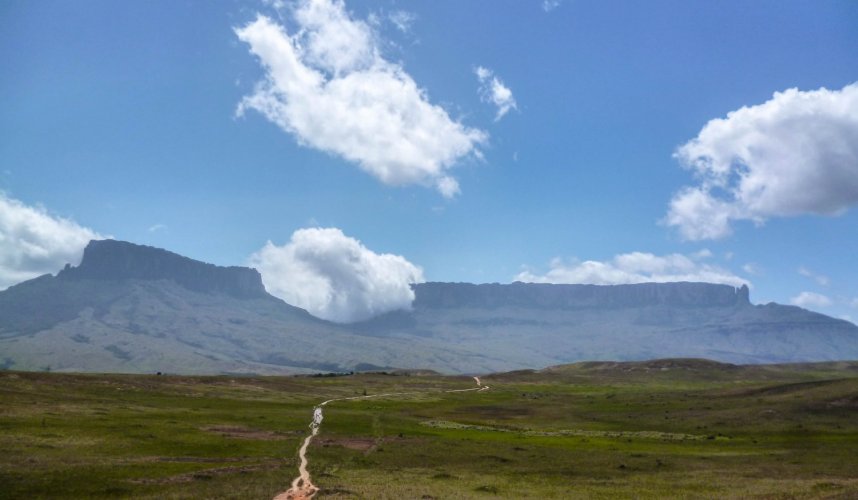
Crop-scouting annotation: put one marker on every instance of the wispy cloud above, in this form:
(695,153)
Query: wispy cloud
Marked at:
(493,90)
(157,227)
(549,5)
(634,267)
(36,242)
(336,277)
(752,269)
(794,154)
(811,299)
(820,279)
(402,20)
(329,87)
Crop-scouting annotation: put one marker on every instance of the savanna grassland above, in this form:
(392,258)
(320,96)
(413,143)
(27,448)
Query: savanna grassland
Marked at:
(670,428)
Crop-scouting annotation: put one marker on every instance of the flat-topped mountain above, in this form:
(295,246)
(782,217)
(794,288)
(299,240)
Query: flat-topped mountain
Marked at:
(540,322)
(133,308)
(549,296)
(120,260)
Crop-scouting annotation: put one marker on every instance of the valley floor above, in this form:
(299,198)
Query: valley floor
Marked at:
(646,430)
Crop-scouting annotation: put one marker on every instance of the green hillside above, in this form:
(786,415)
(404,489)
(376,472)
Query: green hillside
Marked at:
(667,428)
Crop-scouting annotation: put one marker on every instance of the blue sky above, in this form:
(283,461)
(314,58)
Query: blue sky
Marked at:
(120,119)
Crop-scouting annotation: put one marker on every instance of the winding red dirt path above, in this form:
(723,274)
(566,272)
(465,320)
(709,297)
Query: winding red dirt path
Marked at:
(302,487)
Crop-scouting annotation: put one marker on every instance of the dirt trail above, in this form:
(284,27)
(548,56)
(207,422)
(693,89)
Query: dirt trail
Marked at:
(302,487)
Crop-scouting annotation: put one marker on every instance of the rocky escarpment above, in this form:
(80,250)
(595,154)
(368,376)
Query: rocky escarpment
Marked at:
(549,296)
(120,260)
(129,307)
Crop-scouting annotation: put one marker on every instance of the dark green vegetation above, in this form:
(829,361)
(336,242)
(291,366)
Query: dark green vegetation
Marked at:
(136,309)
(670,428)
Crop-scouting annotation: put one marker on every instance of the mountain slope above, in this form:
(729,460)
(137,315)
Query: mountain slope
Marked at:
(132,308)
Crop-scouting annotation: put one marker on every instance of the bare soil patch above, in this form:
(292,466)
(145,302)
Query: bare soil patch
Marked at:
(232,431)
(207,474)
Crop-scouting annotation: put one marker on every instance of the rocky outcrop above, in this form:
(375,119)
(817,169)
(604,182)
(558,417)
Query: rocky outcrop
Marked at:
(120,260)
(548,296)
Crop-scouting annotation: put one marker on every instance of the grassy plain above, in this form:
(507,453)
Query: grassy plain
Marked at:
(671,428)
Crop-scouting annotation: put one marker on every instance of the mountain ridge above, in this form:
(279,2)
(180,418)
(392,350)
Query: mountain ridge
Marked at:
(135,308)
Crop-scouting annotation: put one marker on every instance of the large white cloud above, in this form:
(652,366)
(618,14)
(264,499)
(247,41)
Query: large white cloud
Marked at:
(634,267)
(335,277)
(329,87)
(797,153)
(34,242)
(493,90)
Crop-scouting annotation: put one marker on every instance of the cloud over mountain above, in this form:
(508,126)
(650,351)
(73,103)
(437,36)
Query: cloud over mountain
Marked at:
(797,153)
(811,299)
(329,86)
(34,242)
(336,277)
(634,267)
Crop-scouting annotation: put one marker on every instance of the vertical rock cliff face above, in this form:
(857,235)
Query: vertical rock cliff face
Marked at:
(120,260)
(547,296)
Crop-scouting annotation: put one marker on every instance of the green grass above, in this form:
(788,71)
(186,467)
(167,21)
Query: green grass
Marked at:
(583,431)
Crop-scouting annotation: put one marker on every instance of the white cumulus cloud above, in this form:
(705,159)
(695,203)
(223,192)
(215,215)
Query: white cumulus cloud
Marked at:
(335,277)
(492,90)
(329,87)
(810,299)
(634,267)
(797,153)
(34,242)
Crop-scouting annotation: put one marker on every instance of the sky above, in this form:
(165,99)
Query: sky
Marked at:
(348,149)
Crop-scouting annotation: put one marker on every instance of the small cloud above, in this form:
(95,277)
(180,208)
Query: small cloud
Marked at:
(402,20)
(810,299)
(157,227)
(634,267)
(820,279)
(549,5)
(752,269)
(336,277)
(702,254)
(275,4)
(854,303)
(492,90)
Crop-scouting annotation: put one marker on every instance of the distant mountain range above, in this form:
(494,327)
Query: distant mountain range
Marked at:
(133,308)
